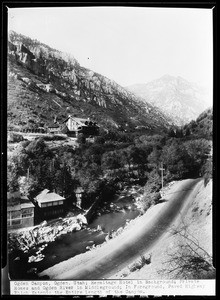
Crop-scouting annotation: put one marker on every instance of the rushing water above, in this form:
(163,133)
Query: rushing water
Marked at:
(71,244)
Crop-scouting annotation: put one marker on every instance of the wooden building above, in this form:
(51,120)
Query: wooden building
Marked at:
(50,204)
(20,211)
(73,126)
(53,128)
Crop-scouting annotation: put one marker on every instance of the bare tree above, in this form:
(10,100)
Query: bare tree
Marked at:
(187,259)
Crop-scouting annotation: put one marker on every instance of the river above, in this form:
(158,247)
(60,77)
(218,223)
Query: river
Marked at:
(113,216)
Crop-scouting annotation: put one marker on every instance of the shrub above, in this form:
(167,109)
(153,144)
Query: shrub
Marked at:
(187,259)
(81,139)
(15,138)
(53,138)
(207,171)
(137,265)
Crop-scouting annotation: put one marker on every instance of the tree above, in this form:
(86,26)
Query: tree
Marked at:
(63,183)
(154,158)
(179,133)
(187,132)
(176,160)
(187,259)
(111,160)
(81,139)
(171,132)
(197,150)
(89,177)
(12,178)
(137,157)
(29,187)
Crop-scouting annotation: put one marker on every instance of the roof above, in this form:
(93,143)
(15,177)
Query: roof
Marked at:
(27,205)
(14,207)
(23,202)
(81,120)
(53,126)
(46,196)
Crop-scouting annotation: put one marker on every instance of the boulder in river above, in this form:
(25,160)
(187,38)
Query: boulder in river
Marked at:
(81,219)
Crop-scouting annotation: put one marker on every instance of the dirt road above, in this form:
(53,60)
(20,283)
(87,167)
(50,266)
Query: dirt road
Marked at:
(123,249)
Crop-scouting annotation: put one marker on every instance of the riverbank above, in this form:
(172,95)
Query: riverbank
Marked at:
(32,241)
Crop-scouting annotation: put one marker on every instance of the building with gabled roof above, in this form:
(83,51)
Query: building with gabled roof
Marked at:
(73,126)
(50,204)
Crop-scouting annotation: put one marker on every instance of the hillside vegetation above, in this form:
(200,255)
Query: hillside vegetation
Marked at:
(104,167)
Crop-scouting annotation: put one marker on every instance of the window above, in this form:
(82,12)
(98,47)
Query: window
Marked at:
(16,222)
(15,214)
(27,215)
(49,204)
(55,203)
(27,211)
(61,202)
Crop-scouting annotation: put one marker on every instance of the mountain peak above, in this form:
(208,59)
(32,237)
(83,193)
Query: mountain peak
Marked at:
(167,77)
(178,98)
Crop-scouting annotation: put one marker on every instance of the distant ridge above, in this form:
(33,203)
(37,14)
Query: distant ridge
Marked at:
(178,98)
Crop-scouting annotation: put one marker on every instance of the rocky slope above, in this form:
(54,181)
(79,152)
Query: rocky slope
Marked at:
(45,84)
(181,100)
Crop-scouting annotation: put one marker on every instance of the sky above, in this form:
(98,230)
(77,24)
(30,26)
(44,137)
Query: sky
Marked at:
(126,44)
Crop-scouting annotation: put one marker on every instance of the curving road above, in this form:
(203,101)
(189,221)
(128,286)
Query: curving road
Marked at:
(122,250)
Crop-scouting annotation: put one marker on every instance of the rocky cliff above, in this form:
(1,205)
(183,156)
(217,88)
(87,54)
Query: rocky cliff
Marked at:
(45,84)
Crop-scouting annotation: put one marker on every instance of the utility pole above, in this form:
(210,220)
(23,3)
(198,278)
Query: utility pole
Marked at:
(162,169)
(28,173)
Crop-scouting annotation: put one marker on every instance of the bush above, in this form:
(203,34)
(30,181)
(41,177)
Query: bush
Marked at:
(81,139)
(53,138)
(137,265)
(15,138)
(207,171)
(186,258)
